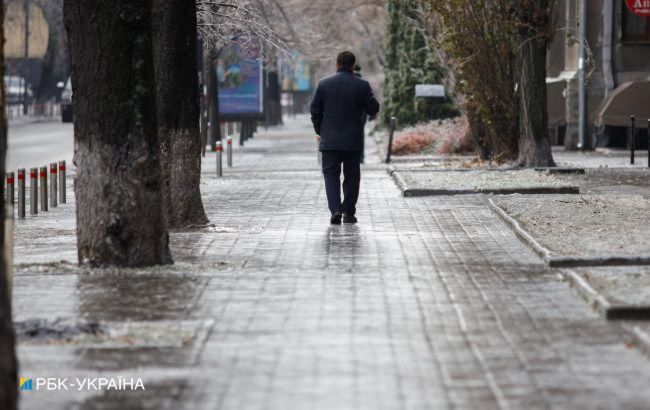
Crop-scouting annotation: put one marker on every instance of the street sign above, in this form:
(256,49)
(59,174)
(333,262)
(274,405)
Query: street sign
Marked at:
(430,90)
(639,7)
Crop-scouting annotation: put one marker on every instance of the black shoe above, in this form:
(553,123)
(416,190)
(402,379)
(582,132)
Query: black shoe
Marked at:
(336,219)
(349,219)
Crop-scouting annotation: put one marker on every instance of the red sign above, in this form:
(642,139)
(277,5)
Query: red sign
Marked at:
(639,7)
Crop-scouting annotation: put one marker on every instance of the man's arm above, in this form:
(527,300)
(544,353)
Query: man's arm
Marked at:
(316,110)
(372,105)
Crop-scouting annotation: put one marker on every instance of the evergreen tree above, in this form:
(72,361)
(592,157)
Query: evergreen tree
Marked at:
(409,61)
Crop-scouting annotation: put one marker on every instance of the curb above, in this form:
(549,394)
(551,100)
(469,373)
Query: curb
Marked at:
(408,191)
(607,309)
(563,261)
(641,339)
(519,232)
(548,170)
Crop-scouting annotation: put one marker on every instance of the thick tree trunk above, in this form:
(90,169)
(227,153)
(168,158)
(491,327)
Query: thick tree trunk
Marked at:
(8,364)
(534,139)
(479,137)
(118,183)
(178,109)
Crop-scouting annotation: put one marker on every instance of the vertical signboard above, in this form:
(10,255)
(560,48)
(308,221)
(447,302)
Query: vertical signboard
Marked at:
(240,78)
(296,75)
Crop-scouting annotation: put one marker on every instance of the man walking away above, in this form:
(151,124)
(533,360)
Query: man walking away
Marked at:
(337,111)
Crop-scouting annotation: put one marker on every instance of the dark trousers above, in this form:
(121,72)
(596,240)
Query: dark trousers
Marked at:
(351,161)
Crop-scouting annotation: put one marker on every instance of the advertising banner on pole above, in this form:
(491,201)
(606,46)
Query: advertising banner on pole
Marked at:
(240,79)
(296,74)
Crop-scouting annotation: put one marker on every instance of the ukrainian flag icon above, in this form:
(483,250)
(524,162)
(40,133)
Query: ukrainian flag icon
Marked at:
(25,383)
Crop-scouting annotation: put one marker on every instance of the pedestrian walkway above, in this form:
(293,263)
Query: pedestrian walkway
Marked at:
(427,303)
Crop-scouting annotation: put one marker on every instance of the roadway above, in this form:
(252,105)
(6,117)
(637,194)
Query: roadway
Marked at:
(35,144)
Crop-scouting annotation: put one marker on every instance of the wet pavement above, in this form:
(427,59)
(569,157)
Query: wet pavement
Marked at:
(426,303)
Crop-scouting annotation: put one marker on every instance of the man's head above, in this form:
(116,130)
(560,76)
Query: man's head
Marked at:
(346,60)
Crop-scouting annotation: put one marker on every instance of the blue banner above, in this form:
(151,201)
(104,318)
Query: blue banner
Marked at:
(296,74)
(240,78)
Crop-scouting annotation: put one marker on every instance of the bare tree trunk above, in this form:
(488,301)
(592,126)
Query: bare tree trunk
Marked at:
(118,183)
(481,140)
(178,109)
(534,140)
(8,363)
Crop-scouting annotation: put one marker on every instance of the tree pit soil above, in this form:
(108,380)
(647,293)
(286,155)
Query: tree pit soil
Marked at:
(583,225)
(481,181)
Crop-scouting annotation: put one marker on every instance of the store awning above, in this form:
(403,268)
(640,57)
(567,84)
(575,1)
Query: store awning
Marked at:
(632,98)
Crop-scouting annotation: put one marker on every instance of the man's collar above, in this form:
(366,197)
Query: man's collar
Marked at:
(343,69)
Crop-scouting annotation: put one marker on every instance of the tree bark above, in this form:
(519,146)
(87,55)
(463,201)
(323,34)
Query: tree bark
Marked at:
(534,139)
(8,363)
(178,109)
(118,183)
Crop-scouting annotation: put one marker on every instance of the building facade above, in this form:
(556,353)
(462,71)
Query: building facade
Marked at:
(618,52)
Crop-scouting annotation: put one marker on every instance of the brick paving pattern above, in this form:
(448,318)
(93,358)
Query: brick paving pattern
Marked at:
(427,303)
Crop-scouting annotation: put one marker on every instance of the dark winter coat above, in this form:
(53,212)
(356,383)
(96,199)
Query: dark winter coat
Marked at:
(337,110)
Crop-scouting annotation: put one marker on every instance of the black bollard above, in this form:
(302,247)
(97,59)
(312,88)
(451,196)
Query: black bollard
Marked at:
(393,125)
(62,182)
(33,191)
(53,185)
(229,151)
(43,184)
(11,192)
(219,159)
(21,193)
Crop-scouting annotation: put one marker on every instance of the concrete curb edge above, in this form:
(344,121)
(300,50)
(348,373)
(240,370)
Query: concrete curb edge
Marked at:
(563,261)
(519,232)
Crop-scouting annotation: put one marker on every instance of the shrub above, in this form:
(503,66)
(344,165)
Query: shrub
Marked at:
(448,137)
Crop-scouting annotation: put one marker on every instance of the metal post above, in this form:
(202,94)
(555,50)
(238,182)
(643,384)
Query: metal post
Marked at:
(21,193)
(10,189)
(393,125)
(631,139)
(43,175)
(33,191)
(648,142)
(219,159)
(53,183)
(582,99)
(62,185)
(242,133)
(229,153)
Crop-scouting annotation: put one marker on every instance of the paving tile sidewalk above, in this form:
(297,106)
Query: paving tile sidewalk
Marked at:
(426,303)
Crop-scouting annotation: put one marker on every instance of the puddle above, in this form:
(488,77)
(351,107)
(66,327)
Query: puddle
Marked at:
(235,229)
